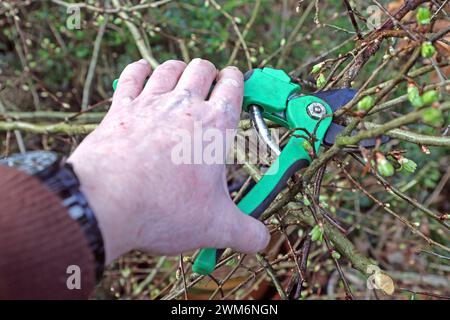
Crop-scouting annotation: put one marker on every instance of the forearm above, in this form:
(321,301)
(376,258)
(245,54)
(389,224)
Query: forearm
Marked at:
(38,242)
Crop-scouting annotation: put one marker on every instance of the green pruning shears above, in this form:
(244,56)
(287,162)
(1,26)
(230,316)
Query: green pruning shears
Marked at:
(270,94)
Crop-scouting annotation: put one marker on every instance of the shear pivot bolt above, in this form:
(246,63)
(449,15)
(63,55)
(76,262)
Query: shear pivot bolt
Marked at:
(316,110)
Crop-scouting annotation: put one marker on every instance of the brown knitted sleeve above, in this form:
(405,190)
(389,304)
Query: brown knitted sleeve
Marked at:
(39,242)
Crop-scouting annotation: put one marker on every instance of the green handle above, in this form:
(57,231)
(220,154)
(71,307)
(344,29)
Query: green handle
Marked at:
(277,105)
(292,158)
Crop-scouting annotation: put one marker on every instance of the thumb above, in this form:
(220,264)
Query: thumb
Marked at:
(243,233)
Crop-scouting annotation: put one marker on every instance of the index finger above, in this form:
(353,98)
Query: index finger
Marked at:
(131,80)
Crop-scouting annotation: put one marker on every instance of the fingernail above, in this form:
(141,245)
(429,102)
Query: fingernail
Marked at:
(143,61)
(231,82)
(196,60)
(235,69)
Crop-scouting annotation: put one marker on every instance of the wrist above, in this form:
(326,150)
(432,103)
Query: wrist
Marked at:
(105,206)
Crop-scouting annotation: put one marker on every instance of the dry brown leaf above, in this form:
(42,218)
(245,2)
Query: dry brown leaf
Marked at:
(384,282)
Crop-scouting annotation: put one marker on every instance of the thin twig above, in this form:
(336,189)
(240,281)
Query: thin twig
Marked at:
(271,274)
(93,63)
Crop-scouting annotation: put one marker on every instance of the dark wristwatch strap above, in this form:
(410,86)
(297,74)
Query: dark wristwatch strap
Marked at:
(66,185)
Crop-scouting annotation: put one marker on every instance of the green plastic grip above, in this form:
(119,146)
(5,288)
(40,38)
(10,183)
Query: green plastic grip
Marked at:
(293,114)
(114,84)
(269,89)
(292,158)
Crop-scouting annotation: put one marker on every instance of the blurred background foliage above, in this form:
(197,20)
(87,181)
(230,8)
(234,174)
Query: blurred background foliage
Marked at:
(60,57)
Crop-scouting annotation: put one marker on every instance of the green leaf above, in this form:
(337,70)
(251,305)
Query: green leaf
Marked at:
(126,272)
(306,201)
(231,263)
(427,50)
(408,165)
(336,255)
(316,68)
(423,15)
(433,117)
(413,92)
(320,82)
(430,97)
(366,103)
(316,234)
(385,167)
(417,103)
(414,96)
(100,18)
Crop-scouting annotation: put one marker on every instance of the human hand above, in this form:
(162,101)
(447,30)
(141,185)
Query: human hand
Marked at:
(141,198)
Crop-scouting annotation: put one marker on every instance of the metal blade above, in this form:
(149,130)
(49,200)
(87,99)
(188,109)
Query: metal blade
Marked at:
(261,127)
(333,130)
(336,98)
